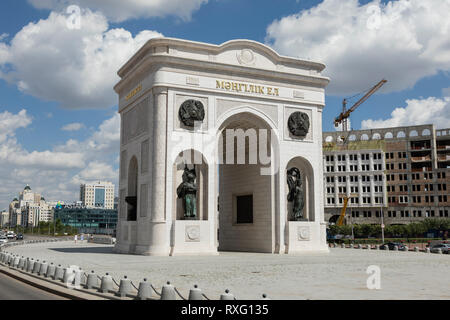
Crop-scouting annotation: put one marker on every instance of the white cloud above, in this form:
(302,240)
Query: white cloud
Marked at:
(417,111)
(402,41)
(57,173)
(76,68)
(73,126)
(120,10)
(9,123)
(96,170)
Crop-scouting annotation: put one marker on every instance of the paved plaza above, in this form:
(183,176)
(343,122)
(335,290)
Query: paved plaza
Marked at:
(341,274)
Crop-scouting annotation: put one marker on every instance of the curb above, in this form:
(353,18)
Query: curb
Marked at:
(62,292)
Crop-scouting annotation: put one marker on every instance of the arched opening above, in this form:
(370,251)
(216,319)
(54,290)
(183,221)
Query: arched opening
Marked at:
(401,134)
(426,132)
(352,137)
(245,186)
(299,190)
(132,199)
(364,137)
(329,139)
(190,187)
(376,136)
(413,133)
(388,135)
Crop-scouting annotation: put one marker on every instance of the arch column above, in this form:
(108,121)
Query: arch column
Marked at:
(158,230)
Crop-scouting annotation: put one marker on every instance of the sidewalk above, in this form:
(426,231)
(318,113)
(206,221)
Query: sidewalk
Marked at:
(341,274)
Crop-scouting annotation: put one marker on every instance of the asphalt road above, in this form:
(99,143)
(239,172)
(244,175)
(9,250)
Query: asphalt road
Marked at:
(12,289)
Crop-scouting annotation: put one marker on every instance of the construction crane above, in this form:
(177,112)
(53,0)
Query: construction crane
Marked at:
(340,221)
(343,119)
(345,114)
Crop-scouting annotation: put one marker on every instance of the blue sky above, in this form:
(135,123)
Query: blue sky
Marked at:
(407,42)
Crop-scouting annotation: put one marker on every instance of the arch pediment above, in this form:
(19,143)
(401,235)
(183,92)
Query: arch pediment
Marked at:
(243,53)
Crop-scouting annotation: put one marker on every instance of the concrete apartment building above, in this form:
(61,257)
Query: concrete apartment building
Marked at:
(402,173)
(99,194)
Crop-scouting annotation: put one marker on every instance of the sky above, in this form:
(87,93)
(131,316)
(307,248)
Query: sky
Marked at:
(59,125)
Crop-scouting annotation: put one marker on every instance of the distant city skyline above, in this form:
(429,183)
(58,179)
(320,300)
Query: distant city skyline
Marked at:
(59,126)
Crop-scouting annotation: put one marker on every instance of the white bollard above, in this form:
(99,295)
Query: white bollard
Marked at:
(50,271)
(107,284)
(36,267)
(227,295)
(43,269)
(168,292)
(195,293)
(145,290)
(59,273)
(125,287)
(92,281)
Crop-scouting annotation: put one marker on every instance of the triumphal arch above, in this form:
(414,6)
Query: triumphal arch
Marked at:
(221,150)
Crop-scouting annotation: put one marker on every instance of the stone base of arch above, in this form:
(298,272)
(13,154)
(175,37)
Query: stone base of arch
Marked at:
(192,237)
(305,237)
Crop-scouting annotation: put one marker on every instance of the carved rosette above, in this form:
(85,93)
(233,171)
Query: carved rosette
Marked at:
(191,111)
(246,57)
(298,124)
(192,233)
(303,233)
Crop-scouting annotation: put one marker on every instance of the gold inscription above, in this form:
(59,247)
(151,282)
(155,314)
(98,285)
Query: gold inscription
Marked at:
(134,92)
(248,88)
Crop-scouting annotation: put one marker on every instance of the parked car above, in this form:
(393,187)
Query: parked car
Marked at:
(3,239)
(391,245)
(19,236)
(445,247)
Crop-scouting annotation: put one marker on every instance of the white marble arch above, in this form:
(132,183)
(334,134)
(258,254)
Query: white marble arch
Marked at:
(165,69)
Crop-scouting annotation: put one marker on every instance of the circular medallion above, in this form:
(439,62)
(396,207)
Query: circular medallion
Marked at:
(191,111)
(193,233)
(246,56)
(303,233)
(298,124)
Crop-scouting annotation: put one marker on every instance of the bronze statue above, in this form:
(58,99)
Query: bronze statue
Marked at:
(296,194)
(187,191)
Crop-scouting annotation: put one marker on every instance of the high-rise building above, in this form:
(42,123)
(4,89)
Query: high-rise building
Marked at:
(15,216)
(99,194)
(30,209)
(4,219)
(402,174)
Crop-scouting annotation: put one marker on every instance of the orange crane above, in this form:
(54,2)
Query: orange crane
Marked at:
(343,119)
(340,221)
(345,114)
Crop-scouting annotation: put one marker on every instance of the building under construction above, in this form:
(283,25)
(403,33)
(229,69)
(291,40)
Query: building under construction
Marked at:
(400,175)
